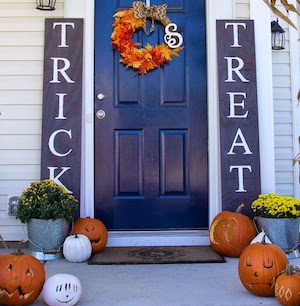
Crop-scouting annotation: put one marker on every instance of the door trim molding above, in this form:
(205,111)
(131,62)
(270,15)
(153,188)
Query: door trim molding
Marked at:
(85,9)
(258,12)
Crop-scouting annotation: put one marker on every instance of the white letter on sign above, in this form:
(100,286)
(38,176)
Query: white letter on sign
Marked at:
(63,42)
(56,70)
(235,32)
(56,178)
(240,176)
(51,143)
(61,101)
(237,69)
(243,143)
(233,104)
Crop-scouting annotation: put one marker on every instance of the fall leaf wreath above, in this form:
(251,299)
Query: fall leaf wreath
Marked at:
(126,23)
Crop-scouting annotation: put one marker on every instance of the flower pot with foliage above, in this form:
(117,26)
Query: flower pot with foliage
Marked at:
(278,216)
(47,209)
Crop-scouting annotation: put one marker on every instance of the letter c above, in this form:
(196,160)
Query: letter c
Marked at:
(52,139)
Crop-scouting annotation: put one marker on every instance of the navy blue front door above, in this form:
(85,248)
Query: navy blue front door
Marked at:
(151,167)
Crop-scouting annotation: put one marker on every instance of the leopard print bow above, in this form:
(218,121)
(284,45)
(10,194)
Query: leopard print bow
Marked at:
(155,12)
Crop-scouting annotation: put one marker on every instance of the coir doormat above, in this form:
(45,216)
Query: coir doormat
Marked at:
(155,255)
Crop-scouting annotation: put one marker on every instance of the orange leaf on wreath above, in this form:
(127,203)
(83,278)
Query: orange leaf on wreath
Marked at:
(141,59)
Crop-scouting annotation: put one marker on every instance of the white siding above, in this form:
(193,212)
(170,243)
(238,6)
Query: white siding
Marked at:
(242,8)
(283,116)
(21,82)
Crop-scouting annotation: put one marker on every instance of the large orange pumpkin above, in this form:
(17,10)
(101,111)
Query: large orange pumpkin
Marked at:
(287,287)
(95,230)
(231,232)
(22,277)
(258,265)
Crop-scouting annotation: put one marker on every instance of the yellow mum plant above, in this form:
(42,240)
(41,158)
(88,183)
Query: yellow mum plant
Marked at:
(276,206)
(46,200)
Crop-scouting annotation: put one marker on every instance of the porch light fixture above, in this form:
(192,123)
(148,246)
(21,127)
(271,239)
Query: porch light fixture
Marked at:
(45,5)
(278,38)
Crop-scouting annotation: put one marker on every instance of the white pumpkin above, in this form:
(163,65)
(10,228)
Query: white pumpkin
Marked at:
(62,289)
(77,248)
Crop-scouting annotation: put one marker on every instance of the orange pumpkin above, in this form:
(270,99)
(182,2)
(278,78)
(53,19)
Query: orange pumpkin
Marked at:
(95,230)
(231,232)
(258,265)
(287,287)
(22,277)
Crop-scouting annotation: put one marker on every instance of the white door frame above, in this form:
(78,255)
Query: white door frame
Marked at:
(215,9)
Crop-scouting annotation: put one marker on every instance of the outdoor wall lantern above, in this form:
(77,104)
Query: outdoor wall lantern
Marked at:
(45,5)
(278,38)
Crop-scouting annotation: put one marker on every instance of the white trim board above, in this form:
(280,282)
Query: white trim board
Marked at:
(263,50)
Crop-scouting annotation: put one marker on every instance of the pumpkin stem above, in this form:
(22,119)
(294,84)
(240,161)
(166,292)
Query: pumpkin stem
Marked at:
(239,209)
(263,241)
(289,269)
(18,250)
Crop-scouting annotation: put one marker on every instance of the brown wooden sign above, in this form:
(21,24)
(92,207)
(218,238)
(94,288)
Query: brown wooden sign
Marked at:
(62,103)
(239,134)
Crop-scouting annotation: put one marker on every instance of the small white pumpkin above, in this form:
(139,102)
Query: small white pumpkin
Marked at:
(62,289)
(77,248)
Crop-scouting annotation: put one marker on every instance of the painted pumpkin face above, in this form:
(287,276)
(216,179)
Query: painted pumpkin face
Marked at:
(258,264)
(62,289)
(95,230)
(21,279)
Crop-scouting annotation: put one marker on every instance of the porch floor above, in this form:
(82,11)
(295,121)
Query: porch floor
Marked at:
(159,285)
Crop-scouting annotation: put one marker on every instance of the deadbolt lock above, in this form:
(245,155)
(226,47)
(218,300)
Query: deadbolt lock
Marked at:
(100,114)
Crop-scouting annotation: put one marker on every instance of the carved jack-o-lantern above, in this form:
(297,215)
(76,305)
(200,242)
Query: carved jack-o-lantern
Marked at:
(95,230)
(258,265)
(62,289)
(21,278)
(230,232)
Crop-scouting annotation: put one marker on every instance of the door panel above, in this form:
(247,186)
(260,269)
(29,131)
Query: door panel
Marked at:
(151,147)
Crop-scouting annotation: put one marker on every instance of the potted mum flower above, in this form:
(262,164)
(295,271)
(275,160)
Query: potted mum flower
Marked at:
(278,216)
(47,209)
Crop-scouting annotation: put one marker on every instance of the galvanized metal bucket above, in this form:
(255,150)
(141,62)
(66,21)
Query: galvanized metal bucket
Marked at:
(46,238)
(283,232)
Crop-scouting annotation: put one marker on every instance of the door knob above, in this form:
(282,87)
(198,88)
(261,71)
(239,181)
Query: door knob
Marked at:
(100,96)
(100,114)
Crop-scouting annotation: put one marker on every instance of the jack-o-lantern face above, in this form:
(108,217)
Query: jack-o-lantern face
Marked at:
(258,264)
(21,279)
(62,289)
(95,230)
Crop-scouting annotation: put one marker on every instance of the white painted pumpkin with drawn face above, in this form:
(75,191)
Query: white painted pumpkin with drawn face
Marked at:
(62,289)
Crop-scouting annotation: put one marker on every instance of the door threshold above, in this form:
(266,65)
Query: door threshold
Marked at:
(157,238)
